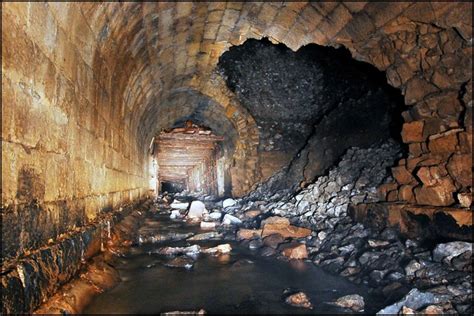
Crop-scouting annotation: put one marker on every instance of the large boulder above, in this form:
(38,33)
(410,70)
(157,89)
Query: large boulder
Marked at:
(197,210)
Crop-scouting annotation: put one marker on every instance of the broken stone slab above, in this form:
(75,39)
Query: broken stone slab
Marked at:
(208,225)
(171,251)
(197,209)
(180,262)
(231,220)
(206,236)
(299,299)
(287,231)
(244,233)
(228,202)
(353,302)
(283,221)
(445,252)
(414,300)
(220,249)
(295,251)
(179,205)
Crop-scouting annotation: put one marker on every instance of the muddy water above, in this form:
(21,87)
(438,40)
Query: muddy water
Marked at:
(242,282)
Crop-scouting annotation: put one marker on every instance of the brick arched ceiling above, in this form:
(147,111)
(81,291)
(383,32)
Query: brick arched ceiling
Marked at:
(142,52)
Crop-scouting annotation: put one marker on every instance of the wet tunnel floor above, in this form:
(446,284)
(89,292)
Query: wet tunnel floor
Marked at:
(241,282)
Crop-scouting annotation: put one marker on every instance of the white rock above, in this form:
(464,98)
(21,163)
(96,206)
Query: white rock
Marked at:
(197,209)
(175,214)
(208,225)
(215,215)
(224,248)
(228,202)
(450,250)
(231,220)
(179,205)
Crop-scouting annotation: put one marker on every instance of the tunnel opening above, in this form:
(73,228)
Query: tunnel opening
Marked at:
(187,156)
(173,186)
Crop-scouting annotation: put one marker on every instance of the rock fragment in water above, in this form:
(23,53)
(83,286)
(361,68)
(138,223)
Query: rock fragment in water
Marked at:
(180,262)
(295,251)
(171,251)
(299,299)
(353,302)
(220,249)
(208,225)
(197,209)
(206,236)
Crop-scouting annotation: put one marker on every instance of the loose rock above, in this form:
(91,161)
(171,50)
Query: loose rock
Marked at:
(354,302)
(299,299)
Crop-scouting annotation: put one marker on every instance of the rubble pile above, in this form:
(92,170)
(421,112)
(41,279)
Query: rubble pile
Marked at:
(314,225)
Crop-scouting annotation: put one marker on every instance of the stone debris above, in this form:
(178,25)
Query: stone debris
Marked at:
(228,202)
(172,251)
(206,236)
(299,299)
(208,225)
(414,300)
(179,205)
(244,233)
(231,220)
(220,249)
(215,216)
(175,214)
(197,209)
(446,252)
(353,302)
(180,262)
(295,251)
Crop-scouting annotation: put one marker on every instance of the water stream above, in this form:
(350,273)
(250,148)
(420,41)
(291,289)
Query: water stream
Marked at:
(240,282)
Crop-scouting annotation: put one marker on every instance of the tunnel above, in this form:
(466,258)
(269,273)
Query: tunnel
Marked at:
(237,157)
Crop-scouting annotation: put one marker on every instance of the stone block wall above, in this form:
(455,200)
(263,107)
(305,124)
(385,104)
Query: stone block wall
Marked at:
(64,158)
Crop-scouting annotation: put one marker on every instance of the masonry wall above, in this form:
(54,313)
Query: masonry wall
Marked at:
(64,159)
